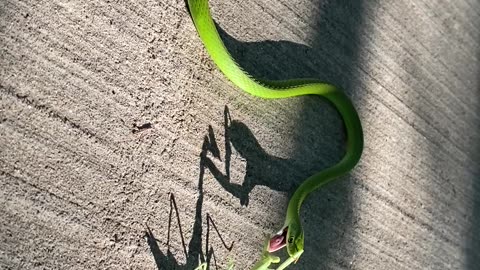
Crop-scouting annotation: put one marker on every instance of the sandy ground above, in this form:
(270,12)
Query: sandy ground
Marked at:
(109,109)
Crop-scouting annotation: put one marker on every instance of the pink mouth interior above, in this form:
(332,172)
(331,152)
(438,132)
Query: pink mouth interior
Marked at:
(278,241)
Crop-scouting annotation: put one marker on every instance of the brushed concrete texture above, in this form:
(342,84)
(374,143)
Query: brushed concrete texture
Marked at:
(109,109)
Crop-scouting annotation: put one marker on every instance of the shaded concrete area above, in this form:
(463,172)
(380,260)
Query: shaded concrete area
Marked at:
(110,110)
(473,244)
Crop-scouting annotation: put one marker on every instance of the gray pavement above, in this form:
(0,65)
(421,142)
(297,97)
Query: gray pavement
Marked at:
(110,108)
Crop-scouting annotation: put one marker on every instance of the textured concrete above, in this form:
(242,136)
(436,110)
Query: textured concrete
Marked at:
(108,108)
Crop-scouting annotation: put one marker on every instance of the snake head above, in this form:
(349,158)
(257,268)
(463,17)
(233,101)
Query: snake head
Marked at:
(295,240)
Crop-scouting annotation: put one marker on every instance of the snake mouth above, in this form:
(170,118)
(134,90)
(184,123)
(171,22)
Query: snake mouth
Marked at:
(278,241)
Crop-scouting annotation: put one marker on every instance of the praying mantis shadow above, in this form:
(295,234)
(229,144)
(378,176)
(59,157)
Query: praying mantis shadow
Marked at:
(194,254)
(261,168)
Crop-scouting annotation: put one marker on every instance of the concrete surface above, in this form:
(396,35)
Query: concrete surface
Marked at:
(109,107)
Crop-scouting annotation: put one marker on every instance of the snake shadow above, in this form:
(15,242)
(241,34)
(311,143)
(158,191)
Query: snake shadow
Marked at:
(328,214)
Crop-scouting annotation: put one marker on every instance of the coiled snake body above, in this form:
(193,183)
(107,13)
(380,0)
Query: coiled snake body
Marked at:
(291,235)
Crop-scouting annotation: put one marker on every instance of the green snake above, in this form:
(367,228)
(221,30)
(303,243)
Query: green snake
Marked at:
(291,235)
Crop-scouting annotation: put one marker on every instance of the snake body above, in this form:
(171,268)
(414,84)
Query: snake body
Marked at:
(292,235)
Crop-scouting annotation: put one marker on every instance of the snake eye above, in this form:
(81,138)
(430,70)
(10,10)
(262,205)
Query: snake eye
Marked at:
(290,240)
